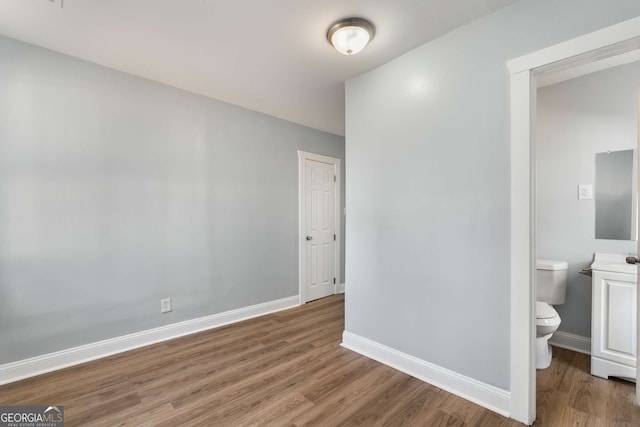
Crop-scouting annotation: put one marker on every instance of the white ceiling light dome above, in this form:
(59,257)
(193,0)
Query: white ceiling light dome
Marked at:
(349,36)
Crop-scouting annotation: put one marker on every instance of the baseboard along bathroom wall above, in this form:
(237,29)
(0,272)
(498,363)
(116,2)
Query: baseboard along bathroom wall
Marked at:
(571,342)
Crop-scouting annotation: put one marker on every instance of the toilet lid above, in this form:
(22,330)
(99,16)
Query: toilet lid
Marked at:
(544,311)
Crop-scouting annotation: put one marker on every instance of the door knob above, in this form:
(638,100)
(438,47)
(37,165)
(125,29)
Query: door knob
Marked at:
(632,260)
(309,238)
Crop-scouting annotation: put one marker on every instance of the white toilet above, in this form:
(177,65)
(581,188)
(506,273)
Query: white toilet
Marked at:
(551,277)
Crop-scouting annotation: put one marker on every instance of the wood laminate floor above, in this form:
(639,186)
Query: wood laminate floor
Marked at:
(287,369)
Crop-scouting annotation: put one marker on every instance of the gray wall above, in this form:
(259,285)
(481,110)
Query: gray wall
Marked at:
(428,186)
(575,120)
(116,191)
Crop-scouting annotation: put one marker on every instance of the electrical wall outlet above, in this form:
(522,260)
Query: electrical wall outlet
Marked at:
(165,305)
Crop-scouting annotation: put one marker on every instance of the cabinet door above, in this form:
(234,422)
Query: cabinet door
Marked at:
(614,317)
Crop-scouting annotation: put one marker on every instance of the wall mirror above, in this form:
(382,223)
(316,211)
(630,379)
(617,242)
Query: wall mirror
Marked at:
(616,195)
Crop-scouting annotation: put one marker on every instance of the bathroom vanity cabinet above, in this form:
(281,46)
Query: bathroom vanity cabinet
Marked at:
(613,322)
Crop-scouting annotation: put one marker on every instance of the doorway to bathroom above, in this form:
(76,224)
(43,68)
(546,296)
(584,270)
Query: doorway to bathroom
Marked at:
(586,192)
(585,198)
(526,71)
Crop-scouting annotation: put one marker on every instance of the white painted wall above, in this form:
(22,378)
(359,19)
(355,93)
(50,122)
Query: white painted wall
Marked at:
(116,191)
(428,187)
(576,119)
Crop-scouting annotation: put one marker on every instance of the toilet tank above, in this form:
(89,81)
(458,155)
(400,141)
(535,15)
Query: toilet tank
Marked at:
(551,278)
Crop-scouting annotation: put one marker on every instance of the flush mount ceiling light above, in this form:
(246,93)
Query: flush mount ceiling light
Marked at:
(349,36)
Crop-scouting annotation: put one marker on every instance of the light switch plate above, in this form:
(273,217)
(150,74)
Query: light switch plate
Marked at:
(585,192)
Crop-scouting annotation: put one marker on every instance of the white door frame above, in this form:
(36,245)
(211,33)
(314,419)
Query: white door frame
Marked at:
(302,230)
(608,42)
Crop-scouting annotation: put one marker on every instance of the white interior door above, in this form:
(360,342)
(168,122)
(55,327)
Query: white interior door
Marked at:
(319,229)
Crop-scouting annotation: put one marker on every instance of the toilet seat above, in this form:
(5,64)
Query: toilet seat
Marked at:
(553,322)
(547,319)
(545,311)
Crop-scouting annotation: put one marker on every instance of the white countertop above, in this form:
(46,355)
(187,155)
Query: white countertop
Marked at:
(613,262)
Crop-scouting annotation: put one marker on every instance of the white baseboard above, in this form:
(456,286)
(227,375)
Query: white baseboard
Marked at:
(571,342)
(22,369)
(486,395)
(340,288)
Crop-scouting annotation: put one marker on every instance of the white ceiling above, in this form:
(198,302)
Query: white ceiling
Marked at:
(267,55)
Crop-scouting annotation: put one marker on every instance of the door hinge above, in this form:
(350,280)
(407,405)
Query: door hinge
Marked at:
(334,178)
(334,280)
(334,237)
